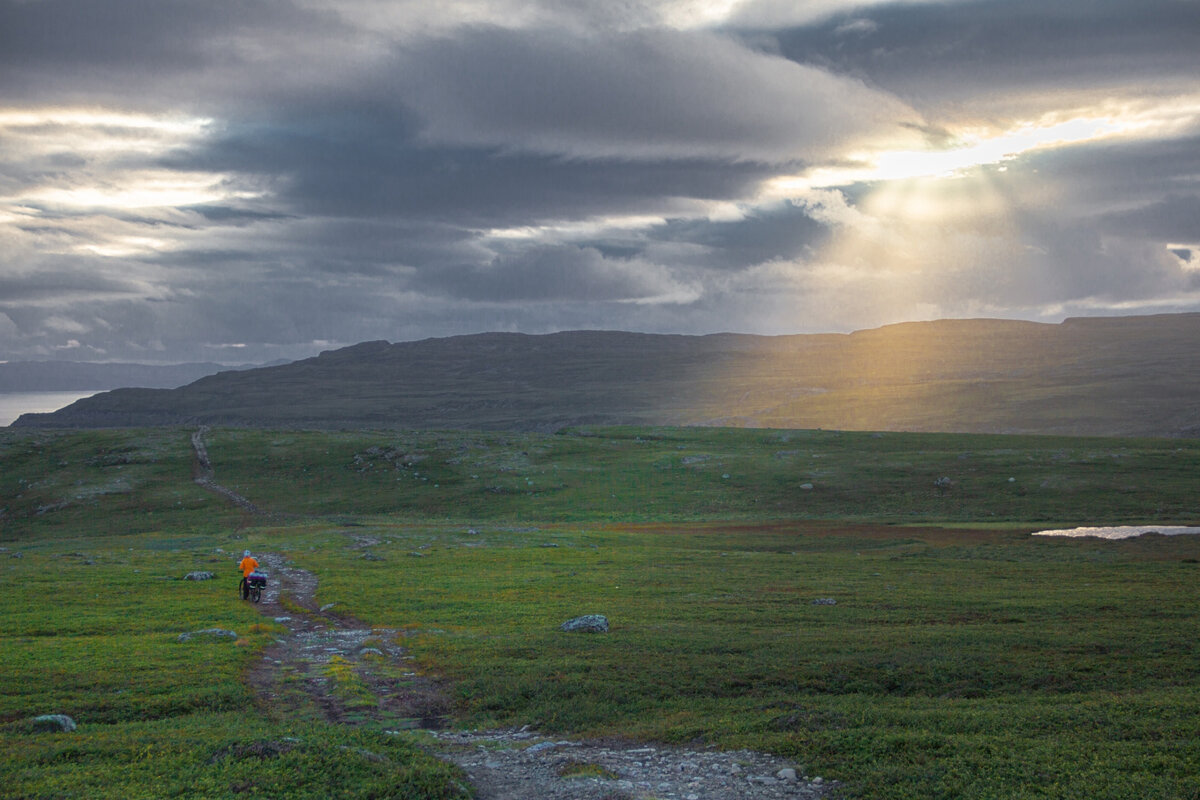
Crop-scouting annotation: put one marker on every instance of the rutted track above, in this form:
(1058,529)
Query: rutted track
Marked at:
(204,476)
(347,672)
(336,665)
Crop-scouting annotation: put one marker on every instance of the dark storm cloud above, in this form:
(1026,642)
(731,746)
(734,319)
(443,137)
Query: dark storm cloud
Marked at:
(116,50)
(364,161)
(778,233)
(230,216)
(1126,172)
(50,282)
(561,272)
(641,95)
(938,52)
(1175,219)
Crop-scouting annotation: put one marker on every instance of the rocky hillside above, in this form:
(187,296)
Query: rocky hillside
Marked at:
(1104,376)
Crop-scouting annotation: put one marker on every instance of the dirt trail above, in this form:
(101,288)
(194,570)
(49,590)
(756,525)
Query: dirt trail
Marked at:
(295,676)
(330,664)
(347,671)
(203,475)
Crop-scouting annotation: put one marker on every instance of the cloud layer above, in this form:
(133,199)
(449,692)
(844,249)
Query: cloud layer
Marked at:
(266,178)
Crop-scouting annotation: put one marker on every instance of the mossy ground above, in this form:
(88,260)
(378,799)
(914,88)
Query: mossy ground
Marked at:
(963,658)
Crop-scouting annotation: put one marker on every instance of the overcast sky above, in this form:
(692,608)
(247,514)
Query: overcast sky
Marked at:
(246,180)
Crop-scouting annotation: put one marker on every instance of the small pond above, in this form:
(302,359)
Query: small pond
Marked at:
(1121,531)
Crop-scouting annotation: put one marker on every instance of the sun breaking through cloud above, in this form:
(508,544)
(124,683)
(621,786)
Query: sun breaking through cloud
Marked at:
(175,177)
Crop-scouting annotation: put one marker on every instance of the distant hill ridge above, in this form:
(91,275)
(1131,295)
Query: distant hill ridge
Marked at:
(66,376)
(1087,376)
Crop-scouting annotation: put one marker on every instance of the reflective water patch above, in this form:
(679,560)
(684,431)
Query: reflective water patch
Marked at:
(1121,531)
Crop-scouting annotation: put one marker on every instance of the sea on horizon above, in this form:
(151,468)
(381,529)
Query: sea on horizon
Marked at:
(14,404)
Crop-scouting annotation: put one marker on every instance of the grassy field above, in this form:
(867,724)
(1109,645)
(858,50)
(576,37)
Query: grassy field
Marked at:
(961,657)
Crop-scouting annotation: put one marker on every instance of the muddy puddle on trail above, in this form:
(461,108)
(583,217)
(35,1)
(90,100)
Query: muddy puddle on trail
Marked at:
(332,666)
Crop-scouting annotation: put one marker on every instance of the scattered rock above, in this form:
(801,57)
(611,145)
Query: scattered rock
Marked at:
(943,482)
(199,576)
(824,601)
(369,556)
(207,633)
(52,723)
(806,486)
(326,607)
(588,623)
(606,770)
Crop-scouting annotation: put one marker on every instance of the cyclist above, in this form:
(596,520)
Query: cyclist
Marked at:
(248,564)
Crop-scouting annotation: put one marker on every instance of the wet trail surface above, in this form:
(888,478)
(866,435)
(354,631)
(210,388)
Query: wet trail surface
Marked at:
(349,671)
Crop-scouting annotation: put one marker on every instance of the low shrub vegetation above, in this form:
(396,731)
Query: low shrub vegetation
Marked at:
(952,662)
(902,634)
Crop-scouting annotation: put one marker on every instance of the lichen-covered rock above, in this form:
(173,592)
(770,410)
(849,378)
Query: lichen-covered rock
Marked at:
(199,576)
(207,633)
(52,723)
(588,623)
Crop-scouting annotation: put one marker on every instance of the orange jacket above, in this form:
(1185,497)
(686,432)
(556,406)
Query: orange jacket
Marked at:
(248,565)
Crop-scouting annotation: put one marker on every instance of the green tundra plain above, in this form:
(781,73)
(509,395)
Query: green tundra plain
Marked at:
(960,657)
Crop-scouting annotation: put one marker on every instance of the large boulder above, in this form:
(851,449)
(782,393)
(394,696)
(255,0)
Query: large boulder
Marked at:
(52,723)
(588,623)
